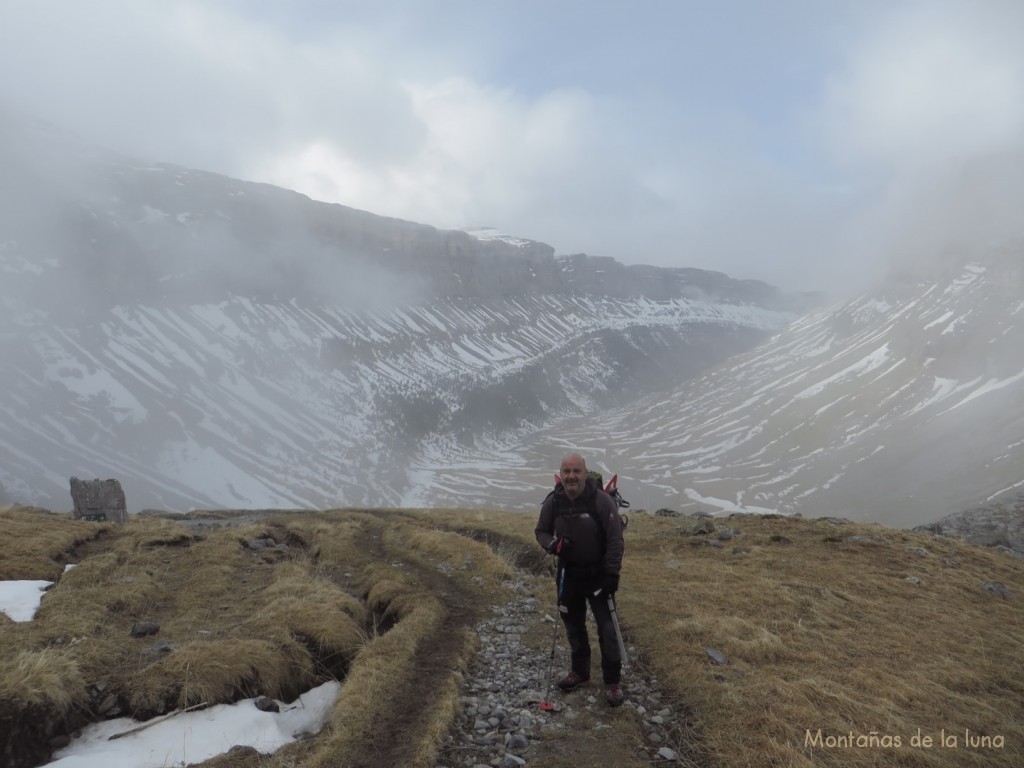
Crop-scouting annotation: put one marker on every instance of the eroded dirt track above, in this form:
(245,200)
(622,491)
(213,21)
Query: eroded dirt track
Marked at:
(500,721)
(460,620)
(405,715)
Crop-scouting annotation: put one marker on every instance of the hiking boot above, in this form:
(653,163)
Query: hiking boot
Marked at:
(614,694)
(572,681)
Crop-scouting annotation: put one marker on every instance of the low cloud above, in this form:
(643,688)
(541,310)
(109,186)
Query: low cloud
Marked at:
(650,139)
(931,83)
(927,118)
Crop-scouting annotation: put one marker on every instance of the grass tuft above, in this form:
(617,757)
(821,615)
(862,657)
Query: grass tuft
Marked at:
(44,678)
(826,625)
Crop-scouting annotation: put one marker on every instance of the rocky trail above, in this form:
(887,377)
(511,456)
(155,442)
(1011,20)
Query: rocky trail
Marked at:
(517,652)
(502,725)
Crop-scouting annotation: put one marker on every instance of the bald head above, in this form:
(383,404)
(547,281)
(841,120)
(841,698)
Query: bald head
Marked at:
(574,457)
(573,473)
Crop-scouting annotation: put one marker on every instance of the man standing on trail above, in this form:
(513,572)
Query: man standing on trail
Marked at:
(580,524)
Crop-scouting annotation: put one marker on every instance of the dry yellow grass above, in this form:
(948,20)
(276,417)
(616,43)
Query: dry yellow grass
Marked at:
(43,677)
(459,552)
(836,647)
(382,684)
(383,668)
(35,543)
(877,637)
(239,621)
(860,639)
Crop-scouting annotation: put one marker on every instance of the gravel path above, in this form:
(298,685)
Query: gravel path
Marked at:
(501,723)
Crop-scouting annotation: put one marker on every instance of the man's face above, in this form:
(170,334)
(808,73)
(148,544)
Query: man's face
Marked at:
(574,474)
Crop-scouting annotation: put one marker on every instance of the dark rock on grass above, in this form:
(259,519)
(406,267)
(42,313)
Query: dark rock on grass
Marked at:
(98,500)
(716,656)
(702,528)
(998,589)
(145,628)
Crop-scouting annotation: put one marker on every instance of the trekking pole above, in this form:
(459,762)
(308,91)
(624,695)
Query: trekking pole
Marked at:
(547,704)
(618,632)
(615,623)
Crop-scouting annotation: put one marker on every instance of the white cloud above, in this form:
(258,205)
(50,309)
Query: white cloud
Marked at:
(482,152)
(926,120)
(669,137)
(934,81)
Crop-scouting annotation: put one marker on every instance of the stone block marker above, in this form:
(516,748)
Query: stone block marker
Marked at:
(98,500)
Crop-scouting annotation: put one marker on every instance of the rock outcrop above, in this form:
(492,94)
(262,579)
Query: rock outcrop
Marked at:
(98,500)
(999,525)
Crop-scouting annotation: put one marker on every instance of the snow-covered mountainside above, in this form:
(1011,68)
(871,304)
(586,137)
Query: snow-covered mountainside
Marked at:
(211,342)
(899,407)
(245,404)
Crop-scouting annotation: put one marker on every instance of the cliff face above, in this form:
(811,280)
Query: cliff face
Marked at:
(999,524)
(900,407)
(215,342)
(122,230)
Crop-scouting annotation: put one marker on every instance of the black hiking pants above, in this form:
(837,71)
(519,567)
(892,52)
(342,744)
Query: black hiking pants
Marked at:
(577,590)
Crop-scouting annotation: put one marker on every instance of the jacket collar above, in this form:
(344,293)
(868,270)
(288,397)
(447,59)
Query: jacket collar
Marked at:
(589,489)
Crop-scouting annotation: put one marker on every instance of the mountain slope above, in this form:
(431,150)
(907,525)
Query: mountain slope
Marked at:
(256,404)
(213,342)
(899,407)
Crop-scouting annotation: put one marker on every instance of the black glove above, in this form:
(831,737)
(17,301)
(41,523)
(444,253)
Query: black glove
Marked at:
(559,546)
(610,583)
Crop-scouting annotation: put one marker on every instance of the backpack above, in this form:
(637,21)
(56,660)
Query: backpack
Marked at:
(612,489)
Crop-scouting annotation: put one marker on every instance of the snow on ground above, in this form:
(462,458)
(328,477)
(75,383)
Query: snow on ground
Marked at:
(863,366)
(192,737)
(939,320)
(492,233)
(20,599)
(990,386)
(724,506)
(180,738)
(216,476)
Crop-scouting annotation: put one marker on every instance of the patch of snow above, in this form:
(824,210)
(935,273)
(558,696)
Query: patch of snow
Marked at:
(1000,492)
(951,328)
(492,233)
(725,506)
(21,599)
(862,366)
(17,264)
(152,215)
(215,476)
(829,405)
(990,386)
(98,386)
(945,316)
(193,737)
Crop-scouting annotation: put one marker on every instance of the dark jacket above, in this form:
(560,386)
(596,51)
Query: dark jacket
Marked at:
(594,543)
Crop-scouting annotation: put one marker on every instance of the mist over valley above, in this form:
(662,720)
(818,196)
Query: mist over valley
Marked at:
(212,342)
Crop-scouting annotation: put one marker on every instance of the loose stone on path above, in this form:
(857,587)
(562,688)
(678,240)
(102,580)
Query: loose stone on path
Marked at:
(500,720)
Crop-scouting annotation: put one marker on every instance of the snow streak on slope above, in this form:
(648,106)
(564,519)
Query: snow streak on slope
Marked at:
(249,404)
(130,352)
(492,233)
(898,408)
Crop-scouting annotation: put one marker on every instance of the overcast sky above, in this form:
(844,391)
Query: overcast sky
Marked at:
(802,142)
